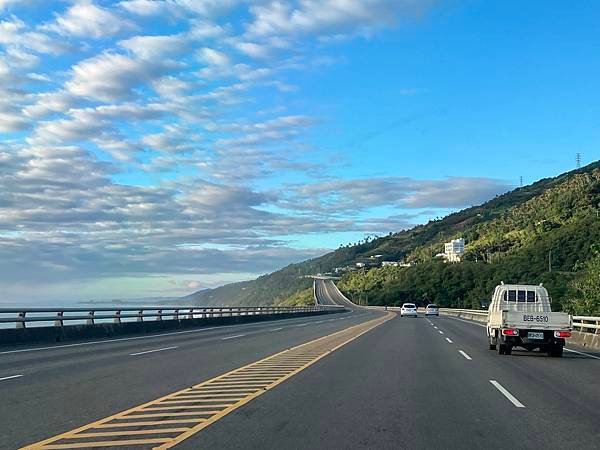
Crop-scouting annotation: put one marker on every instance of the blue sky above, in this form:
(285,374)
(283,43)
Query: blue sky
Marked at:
(158,147)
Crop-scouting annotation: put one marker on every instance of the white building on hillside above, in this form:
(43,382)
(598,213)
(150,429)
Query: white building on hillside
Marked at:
(454,250)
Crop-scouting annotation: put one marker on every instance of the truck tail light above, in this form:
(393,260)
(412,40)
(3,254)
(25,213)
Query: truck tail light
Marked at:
(510,332)
(562,334)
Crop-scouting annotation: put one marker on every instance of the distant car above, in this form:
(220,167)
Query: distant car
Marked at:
(432,310)
(408,309)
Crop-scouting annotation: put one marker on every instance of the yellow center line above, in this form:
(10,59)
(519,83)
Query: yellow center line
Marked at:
(225,393)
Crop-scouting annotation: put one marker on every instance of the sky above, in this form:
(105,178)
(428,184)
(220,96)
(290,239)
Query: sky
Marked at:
(155,148)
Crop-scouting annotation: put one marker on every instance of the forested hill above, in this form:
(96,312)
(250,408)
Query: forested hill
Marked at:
(507,238)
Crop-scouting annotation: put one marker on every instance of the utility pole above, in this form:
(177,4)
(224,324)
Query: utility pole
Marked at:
(578,160)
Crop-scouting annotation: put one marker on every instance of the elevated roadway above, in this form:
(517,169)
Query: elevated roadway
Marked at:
(390,382)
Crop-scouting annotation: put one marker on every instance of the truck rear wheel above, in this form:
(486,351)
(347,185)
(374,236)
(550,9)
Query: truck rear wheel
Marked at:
(501,348)
(556,351)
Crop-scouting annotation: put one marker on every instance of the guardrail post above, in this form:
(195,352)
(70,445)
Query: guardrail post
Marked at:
(191,313)
(140,317)
(90,320)
(58,322)
(159,315)
(118,318)
(176,314)
(21,322)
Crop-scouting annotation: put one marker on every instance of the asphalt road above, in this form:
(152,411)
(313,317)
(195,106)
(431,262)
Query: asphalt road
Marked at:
(62,387)
(404,384)
(328,294)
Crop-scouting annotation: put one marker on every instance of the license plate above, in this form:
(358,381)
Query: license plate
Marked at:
(534,335)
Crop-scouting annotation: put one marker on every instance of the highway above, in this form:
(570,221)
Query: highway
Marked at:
(390,383)
(327,293)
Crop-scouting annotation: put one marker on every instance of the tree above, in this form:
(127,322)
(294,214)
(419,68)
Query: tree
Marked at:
(584,298)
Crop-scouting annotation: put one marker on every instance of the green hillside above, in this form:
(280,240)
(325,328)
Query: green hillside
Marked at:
(508,238)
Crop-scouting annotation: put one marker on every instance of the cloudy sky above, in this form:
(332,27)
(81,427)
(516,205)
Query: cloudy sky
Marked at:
(155,148)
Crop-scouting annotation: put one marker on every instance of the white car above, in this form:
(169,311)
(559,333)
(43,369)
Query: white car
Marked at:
(432,310)
(408,309)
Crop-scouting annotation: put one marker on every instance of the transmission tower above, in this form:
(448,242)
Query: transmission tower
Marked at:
(521,180)
(578,160)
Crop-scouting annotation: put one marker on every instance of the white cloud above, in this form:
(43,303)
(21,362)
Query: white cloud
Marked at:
(343,196)
(85,19)
(112,76)
(214,57)
(14,32)
(203,8)
(330,17)
(144,7)
(150,47)
(47,103)
(21,59)
(9,122)
(254,50)
(174,139)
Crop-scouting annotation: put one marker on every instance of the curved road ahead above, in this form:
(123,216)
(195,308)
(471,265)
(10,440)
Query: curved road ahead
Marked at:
(407,383)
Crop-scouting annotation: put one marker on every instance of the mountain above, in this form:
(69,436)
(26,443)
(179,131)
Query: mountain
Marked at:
(510,238)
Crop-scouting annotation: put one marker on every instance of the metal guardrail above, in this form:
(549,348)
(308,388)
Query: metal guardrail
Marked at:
(585,324)
(90,315)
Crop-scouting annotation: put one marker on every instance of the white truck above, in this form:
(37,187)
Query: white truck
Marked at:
(520,315)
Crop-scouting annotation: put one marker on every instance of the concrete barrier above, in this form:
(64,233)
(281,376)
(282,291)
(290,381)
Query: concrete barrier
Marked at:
(104,330)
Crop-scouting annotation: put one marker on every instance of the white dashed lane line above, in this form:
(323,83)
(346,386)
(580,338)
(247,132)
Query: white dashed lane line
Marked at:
(465,355)
(10,377)
(233,337)
(507,394)
(449,341)
(153,351)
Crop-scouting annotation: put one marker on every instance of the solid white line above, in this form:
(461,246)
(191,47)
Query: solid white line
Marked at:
(276,329)
(233,337)
(152,351)
(507,394)
(467,321)
(581,353)
(440,331)
(465,355)
(449,341)
(301,325)
(10,378)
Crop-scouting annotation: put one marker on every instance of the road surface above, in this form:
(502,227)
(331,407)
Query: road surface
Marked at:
(407,383)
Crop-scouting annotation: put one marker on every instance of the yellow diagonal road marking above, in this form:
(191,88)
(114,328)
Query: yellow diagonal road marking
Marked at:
(212,399)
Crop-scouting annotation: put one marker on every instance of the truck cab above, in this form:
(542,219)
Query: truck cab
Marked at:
(521,315)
